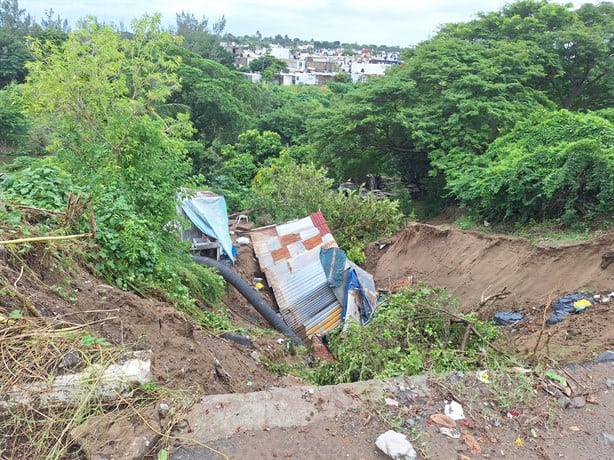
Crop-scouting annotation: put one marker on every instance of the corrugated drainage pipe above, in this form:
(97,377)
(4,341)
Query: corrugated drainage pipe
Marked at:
(251,295)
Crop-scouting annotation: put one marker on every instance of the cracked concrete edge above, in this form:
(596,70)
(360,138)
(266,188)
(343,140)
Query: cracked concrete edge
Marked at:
(218,416)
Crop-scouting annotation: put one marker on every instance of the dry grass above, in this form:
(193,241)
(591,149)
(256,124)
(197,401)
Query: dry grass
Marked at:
(33,352)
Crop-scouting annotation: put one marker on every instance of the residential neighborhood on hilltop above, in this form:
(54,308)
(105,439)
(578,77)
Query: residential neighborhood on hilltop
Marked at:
(309,66)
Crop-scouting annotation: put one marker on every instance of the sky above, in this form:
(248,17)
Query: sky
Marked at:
(379,22)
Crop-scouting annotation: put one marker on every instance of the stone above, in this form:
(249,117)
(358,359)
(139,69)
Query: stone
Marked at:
(578,402)
(606,356)
(454,410)
(396,446)
(563,402)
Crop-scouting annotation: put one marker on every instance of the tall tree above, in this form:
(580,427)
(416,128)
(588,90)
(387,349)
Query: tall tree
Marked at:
(203,40)
(102,95)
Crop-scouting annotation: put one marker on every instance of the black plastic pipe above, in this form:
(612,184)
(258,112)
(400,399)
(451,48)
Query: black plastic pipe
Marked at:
(251,295)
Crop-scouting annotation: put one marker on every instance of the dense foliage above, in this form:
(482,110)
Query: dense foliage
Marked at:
(553,165)
(111,140)
(509,114)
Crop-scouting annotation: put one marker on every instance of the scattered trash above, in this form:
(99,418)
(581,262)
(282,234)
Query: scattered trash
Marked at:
(606,356)
(249,383)
(608,439)
(472,444)
(556,378)
(574,428)
(571,303)
(519,442)
(450,432)
(533,433)
(441,419)
(396,446)
(258,286)
(496,423)
(512,413)
(609,383)
(454,410)
(507,318)
(391,402)
(483,376)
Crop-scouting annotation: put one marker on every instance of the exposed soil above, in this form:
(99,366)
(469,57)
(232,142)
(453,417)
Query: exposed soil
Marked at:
(471,265)
(474,266)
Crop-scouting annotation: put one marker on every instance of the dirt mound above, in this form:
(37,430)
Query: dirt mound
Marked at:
(184,357)
(473,265)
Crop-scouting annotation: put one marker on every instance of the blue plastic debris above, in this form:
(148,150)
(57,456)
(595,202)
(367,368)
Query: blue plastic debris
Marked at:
(507,318)
(606,356)
(571,303)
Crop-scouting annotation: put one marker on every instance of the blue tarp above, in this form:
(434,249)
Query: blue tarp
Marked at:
(333,262)
(209,215)
(566,305)
(365,309)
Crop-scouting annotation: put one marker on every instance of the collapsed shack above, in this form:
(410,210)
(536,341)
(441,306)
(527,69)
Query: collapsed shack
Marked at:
(316,287)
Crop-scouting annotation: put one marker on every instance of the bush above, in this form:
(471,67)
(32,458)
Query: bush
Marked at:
(554,165)
(286,190)
(409,334)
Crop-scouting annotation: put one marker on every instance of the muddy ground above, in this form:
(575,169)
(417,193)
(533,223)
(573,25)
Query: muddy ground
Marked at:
(471,265)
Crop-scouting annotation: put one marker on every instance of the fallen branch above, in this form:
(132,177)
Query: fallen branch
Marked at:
(46,238)
(492,298)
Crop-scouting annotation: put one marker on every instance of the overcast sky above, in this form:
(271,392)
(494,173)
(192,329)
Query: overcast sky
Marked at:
(389,22)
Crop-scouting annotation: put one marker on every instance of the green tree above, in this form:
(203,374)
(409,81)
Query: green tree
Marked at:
(13,56)
(13,123)
(203,40)
(102,95)
(268,66)
(575,47)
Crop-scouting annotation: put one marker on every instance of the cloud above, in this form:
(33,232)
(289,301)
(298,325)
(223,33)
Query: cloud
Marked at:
(391,22)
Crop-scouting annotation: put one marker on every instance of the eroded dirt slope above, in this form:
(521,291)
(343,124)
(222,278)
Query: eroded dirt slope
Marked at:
(472,264)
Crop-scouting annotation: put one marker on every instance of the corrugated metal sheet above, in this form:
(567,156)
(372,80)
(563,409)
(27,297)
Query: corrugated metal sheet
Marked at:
(289,256)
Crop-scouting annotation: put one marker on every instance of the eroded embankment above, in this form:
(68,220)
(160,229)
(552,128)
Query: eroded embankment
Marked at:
(473,264)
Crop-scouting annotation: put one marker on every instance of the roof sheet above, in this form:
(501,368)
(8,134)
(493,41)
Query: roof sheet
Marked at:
(289,256)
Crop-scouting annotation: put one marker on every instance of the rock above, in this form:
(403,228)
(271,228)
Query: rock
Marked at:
(114,435)
(606,356)
(564,402)
(608,438)
(578,402)
(396,446)
(609,383)
(163,410)
(450,432)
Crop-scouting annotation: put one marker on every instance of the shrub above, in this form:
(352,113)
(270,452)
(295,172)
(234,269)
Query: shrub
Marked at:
(409,334)
(553,165)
